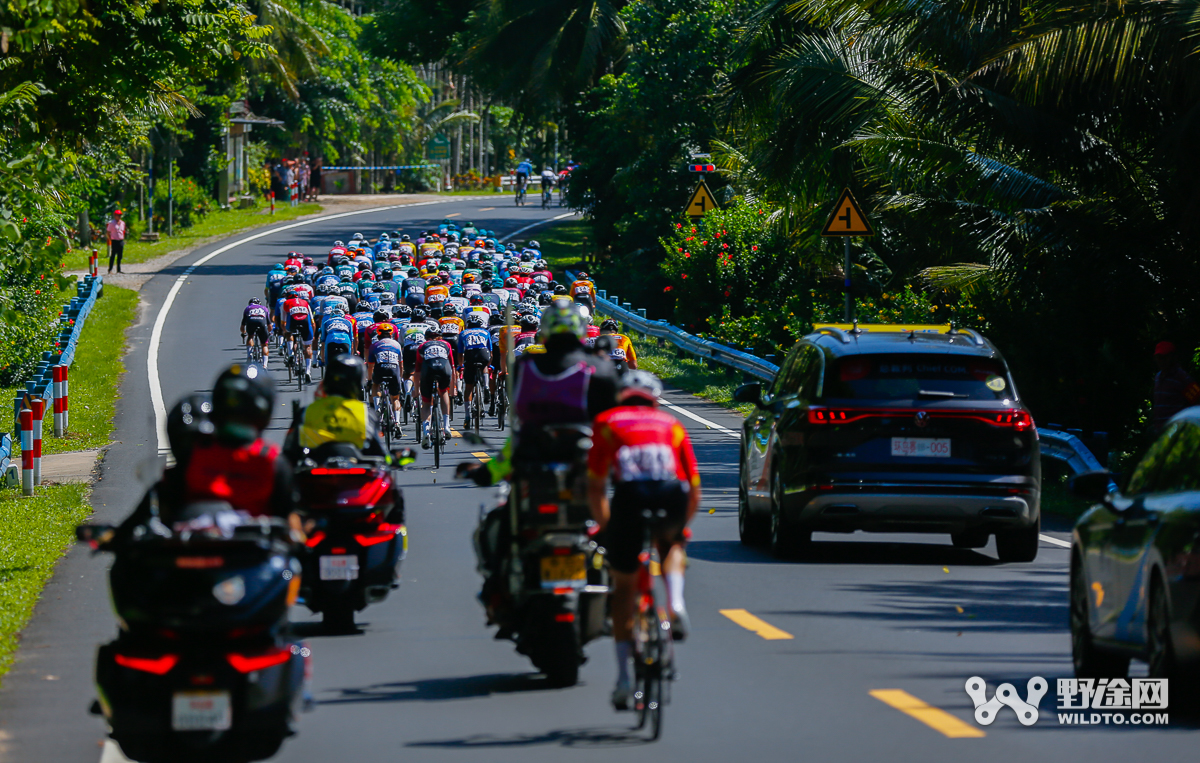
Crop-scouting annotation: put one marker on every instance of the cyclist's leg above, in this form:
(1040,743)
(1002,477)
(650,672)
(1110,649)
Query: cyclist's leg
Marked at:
(444,394)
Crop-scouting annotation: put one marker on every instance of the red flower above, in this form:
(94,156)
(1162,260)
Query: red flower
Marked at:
(687,254)
(724,246)
(683,276)
(678,225)
(754,248)
(681,249)
(693,230)
(668,288)
(702,243)
(727,292)
(37,291)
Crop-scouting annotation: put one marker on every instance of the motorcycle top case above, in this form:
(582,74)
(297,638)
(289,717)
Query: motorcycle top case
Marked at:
(550,475)
(200,586)
(327,488)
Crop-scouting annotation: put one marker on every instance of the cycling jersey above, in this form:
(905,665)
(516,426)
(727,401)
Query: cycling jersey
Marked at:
(275,283)
(451,325)
(386,353)
(460,304)
(474,339)
(414,334)
(372,331)
(406,247)
(583,289)
(256,314)
(296,262)
(433,292)
(525,168)
(327,279)
(344,271)
(338,329)
(638,444)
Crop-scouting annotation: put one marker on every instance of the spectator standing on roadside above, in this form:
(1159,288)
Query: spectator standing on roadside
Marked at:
(1174,388)
(289,177)
(277,184)
(304,177)
(314,181)
(114,234)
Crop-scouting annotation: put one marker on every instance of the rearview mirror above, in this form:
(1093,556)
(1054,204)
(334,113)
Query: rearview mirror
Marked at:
(749,393)
(1091,486)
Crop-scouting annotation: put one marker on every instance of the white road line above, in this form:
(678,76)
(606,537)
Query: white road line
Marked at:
(1055,541)
(534,225)
(694,417)
(156,396)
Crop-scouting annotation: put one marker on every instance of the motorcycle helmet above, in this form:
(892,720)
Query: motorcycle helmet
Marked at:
(561,319)
(186,423)
(345,376)
(243,399)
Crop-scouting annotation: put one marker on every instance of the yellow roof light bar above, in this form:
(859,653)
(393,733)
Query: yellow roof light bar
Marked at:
(887,328)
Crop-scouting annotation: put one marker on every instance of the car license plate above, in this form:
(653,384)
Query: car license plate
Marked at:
(921,447)
(560,571)
(201,711)
(339,567)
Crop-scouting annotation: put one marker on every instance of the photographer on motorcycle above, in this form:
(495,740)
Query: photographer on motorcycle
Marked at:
(563,383)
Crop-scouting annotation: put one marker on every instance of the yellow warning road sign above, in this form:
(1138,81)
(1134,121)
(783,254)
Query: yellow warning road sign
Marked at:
(847,218)
(702,201)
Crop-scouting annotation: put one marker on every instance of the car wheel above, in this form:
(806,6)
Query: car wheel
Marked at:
(1020,545)
(752,530)
(969,539)
(785,539)
(1160,651)
(1089,661)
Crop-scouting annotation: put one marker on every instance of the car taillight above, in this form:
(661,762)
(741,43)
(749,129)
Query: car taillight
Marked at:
(1015,419)
(1018,420)
(248,663)
(325,471)
(827,416)
(382,534)
(159,666)
(315,539)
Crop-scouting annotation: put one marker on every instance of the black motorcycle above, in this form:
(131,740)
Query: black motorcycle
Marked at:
(547,583)
(204,666)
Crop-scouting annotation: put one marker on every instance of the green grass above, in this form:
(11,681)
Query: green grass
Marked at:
(1057,499)
(563,243)
(213,225)
(34,533)
(689,374)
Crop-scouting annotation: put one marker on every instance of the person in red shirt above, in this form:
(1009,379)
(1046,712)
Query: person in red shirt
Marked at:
(648,456)
(295,258)
(299,320)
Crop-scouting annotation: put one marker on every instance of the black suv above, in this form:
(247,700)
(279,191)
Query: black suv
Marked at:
(885,430)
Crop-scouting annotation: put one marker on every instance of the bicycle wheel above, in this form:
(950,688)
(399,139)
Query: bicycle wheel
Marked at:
(385,418)
(501,407)
(647,690)
(477,395)
(435,432)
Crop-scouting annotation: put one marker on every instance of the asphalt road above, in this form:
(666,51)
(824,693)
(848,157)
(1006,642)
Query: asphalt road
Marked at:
(425,681)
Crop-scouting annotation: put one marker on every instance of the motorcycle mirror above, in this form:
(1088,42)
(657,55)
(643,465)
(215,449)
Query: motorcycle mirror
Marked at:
(404,456)
(473,438)
(94,535)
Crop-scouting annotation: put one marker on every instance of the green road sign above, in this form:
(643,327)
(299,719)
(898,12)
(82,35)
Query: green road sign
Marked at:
(438,148)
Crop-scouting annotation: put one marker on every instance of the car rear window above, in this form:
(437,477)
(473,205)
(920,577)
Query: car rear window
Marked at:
(917,377)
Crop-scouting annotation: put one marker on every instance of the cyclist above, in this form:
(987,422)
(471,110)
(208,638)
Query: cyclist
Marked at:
(524,170)
(450,324)
(309,270)
(436,290)
(490,297)
(385,368)
(619,347)
(294,259)
(413,288)
(434,367)
(300,323)
(458,299)
(339,335)
(548,180)
(475,350)
(583,291)
(385,283)
(256,324)
(649,457)
(277,278)
(413,337)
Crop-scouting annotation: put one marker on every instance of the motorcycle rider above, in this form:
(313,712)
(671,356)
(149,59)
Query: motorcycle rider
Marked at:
(649,457)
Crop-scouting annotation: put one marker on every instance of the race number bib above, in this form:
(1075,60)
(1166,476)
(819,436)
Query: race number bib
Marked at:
(641,463)
(435,352)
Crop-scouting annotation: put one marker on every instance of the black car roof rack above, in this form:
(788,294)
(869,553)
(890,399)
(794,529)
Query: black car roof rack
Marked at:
(837,333)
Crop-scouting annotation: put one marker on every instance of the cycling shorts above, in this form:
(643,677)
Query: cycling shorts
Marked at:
(409,354)
(302,329)
(257,329)
(333,349)
(414,300)
(434,371)
(472,357)
(388,377)
(626,526)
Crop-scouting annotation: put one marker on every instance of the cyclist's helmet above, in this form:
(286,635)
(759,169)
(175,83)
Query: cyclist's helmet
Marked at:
(384,237)
(545,298)
(364,266)
(582,276)
(297,279)
(435,310)
(342,259)
(449,309)
(419,314)
(405,237)
(385,331)
(345,376)
(292,269)
(468,278)
(560,291)
(413,273)
(561,318)
(339,243)
(511,281)
(456,291)
(609,325)
(367,276)
(486,287)
(387,298)
(496,320)
(402,311)
(432,333)
(337,309)
(243,399)
(308,260)
(534,245)
(327,271)
(640,384)
(326,288)
(358,237)
(477,320)
(379,316)
(529,323)
(254,301)
(475,299)
(186,423)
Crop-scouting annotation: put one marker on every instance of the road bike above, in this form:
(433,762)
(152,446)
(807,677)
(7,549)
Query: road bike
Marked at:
(475,409)
(547,195)
(501,402)
(387,415)
(295,362)
(256,351)
(435,424)
(653,646)
(519,198)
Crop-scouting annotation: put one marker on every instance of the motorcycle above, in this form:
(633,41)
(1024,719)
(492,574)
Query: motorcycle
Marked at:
(204,666)
(357,538)
(549,592)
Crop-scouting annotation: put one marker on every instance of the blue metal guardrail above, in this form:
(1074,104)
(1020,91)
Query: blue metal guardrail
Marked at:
(74,315)
(1056,444)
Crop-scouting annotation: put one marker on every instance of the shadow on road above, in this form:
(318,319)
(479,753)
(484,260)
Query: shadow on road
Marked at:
(562,738)
(843,552)
(433,689)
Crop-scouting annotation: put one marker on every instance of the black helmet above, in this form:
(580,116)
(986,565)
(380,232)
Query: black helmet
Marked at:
(496,320)
(186,423)
(379,316)
(254,301)
(560,290)
(405,238)
(402,311)
(608,324)
(345,376)
(529,323)
(243,399)
(432,333)
(545,298)
(387,298)
(419,314)
(534,245)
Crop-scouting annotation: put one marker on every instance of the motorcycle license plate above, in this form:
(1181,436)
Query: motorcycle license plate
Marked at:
(339,567)
(921,447)
(561,571)
(201,711)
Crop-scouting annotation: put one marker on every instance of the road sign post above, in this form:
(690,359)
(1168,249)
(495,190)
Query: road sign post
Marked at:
(847,221)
